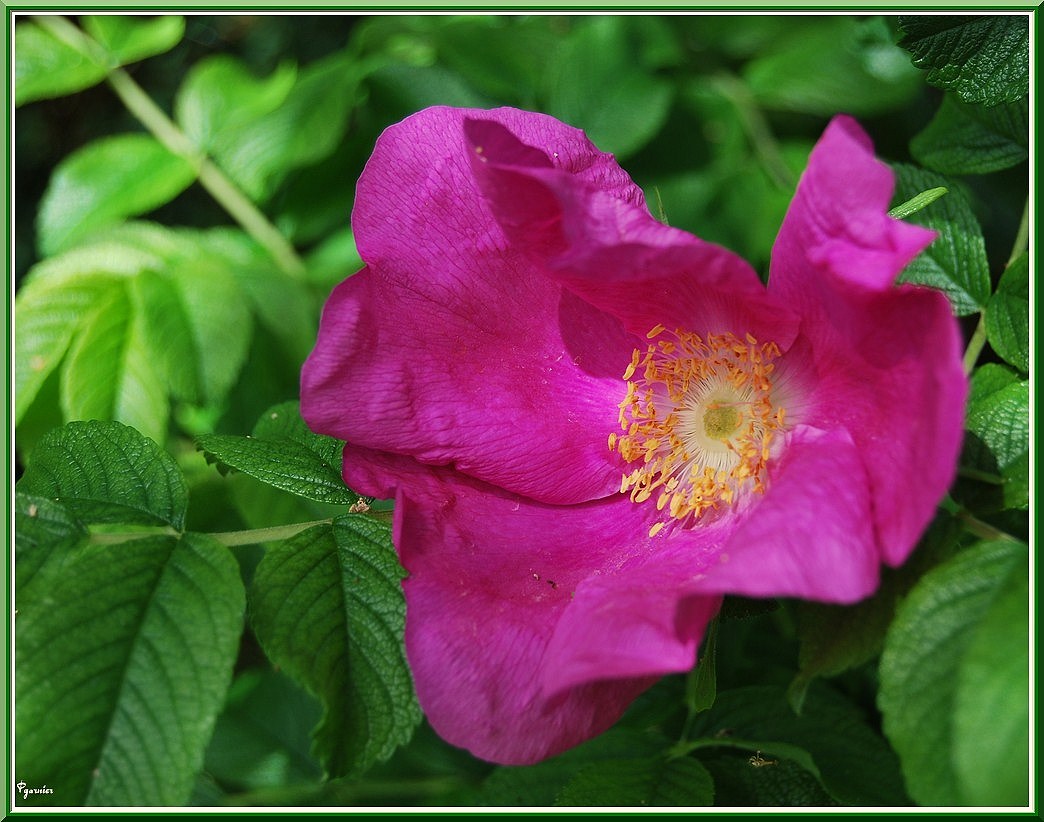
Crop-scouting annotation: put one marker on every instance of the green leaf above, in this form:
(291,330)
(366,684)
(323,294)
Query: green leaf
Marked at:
(701,685)
(540,784)
(783,784)
(973,139)
(327,606)
(220,96)
(129,39)
(107,472)
(916,203)
(921,667)
(640,783)
(997,439)
(109,373)
(105,182)
(991,719)
(123,662)
(46,532)
(983,59)
(831,740)
(837,638)
(833,64)
(956,261)
(283,453)
(596,55)
(47,67)
(1007,315)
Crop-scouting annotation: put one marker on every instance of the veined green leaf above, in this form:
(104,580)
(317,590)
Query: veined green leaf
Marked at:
(955,262)
(124,657)
(46,533)
(109,373)
(991,719)
(107,472)
(982,58)
(327,606)
(972,139)
(105,182)
(998,431)
(640,783)
(47,67)
(129,39)
(283,453)
(921,667)
(1007,315)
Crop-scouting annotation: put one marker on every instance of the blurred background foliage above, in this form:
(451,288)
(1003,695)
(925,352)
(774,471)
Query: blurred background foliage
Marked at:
(143,299)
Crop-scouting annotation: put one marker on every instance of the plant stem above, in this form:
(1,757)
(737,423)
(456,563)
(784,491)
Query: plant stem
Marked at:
(758,132)
(975,344)
(974,525)
(138,102)
(1021,236)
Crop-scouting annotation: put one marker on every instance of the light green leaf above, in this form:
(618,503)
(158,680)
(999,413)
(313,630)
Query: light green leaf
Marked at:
(284,453)
(327,606)
(109,375)
(105,182)
(123,662)
(596,55)
(107,472)
(956,261)
(129,39)
(998,431)
(640,783)
(982,58)
(1007,315)
(220,95)
(47,67)
(921,665)
(991,719)
(972,139)
(832,64)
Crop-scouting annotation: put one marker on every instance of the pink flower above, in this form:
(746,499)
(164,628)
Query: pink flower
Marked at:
(595,425)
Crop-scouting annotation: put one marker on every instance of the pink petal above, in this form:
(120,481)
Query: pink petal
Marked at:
(886,360)
(450,346)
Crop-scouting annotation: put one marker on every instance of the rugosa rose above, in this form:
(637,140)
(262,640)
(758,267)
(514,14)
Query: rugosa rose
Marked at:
(595,425)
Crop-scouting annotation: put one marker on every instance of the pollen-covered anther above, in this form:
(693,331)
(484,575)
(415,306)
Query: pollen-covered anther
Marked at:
(699,421)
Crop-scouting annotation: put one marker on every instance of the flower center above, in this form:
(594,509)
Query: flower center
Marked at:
(698,421)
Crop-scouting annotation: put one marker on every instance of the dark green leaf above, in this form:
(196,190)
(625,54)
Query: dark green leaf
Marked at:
(833,64)
(129,39)
(983,59)
(48,67)
(701,683)
(831,739)
(997,439)
(955,262)
(539,784)
(991,719)
(283,453)
(597,55)
(651,783)
(921,665)
(123,662)
(1007,315)
(328,608)
(45,532)
(836,638)
(105,182)
(972,139)
(107,472)
(109,375)
(738,783)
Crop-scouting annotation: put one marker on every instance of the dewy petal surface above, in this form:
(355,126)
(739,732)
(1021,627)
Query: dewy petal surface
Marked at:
(886,362)
(451,346)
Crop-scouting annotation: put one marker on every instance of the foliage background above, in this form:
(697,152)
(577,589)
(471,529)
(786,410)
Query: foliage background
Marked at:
(141,300)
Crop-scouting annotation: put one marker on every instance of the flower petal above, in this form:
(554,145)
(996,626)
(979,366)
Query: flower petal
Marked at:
(450,346)
(490,577)
(886,360)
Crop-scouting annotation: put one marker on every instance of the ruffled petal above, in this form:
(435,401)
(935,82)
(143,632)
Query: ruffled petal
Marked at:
(885,360)
(450,346)
(490,575)
(614,254)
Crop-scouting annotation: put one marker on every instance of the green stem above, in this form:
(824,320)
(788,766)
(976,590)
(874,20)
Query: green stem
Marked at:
(983,530)
(254,536)
(975,344)
(758,132)
(138,102)
(1021,236)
